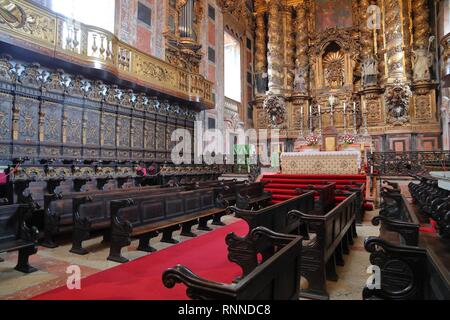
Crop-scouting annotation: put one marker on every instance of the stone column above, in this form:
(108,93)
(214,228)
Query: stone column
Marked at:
(301,53)
(260,55)
(275,48)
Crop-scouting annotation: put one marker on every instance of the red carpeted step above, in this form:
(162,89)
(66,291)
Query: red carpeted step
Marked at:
(281,191)
(141,279)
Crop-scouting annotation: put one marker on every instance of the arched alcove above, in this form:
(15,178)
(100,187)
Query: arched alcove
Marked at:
(333,62)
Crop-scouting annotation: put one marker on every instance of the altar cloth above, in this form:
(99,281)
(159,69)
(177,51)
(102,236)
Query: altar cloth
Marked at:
(321,162)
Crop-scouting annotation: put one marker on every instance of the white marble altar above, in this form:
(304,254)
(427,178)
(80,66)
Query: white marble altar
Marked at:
(321,162)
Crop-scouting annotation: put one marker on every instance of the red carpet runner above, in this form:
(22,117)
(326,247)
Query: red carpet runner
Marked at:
(141,279)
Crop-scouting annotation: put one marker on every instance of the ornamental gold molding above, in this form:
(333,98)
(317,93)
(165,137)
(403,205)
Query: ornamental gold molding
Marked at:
(275,48)
(25,25)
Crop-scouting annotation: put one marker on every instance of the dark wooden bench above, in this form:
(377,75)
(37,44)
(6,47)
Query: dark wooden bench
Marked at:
(325,196)
(414,265)
(276,278)
(93,212)
(433,202)
(410,272)
(253,196)
(275,217)
(332,235)
(58,209)
(15,235)
(143,218)
(359,189)
(397,215)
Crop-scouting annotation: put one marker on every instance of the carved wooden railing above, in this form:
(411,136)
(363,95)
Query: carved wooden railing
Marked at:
(407,163)
(41,30)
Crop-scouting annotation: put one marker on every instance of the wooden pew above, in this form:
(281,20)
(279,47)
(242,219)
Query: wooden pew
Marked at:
(359,190)
(276,218)
(143,218)
(398,216)
(333,233)
(326,195)
(434,203)
(93,213)
(414,265)
(276,278)
(15,235)
(253,196)
(59,209)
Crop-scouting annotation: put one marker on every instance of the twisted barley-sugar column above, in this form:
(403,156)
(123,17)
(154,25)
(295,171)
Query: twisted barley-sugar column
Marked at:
(301,40)
(275,47)
(407,34)
(380,44)
(422,30)
(261,52)
(290,47)
(394,40)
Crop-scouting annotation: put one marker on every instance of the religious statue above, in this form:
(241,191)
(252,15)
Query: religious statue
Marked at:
(397,101)
(334,69)
(370,71)
(299,80)
(423,60)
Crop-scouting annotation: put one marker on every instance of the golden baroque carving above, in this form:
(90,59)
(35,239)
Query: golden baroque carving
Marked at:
(260,45)
(275,55)
(275,108)
(394,40)
(343,37)
(301,54)
(290,47)
(421,15)
(422,107)
(334,69)
(23,19)
(397,101)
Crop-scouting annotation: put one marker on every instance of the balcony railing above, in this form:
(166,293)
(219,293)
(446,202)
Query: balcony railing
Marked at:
(408,163)
(46,32)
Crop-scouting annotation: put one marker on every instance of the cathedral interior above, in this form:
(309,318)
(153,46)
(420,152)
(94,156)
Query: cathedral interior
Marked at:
(351,96)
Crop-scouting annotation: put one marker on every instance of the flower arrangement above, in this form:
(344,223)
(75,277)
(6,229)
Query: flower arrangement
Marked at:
(348,139)
(312,139)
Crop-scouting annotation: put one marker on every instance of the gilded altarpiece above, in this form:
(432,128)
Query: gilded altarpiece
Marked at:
(383,72)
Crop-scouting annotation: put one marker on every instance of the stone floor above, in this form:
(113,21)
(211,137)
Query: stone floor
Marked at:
(52,265)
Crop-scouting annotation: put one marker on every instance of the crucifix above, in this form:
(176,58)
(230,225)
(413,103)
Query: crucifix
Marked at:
(332,101)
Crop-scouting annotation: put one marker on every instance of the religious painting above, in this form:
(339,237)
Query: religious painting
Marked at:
(333,14)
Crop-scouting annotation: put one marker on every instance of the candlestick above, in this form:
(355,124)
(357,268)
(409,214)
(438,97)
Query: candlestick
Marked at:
(310,119)
(345,118)
(301,121)
(354,117)
(320,120)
